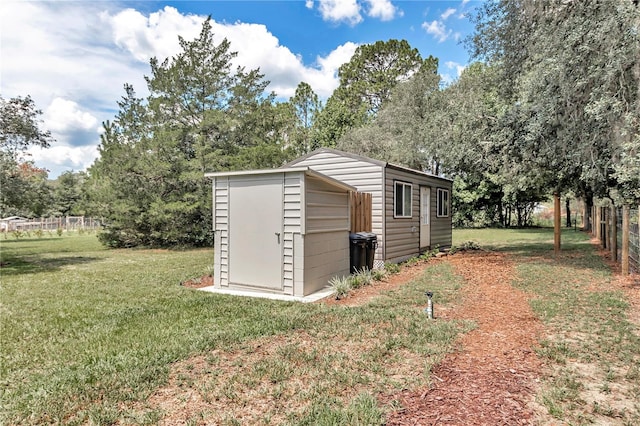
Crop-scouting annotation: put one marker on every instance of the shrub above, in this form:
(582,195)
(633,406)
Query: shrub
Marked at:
(391,268)
(341,286)
(361,277)
(209,270)
(378,274)
(467,245)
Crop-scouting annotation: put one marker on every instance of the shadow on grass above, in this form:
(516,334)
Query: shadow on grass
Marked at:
(33,265)
(576,250)
(27,239)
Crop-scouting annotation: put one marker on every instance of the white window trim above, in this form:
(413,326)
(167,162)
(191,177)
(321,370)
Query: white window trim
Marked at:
(443,211)
(395,198)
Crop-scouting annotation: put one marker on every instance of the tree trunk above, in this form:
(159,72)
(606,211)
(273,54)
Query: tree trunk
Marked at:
(625,240)
(568,208)
(588,214)
(507,217)
(556,222)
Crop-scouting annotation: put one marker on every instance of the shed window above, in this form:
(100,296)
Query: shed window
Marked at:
(402,198)
(443,203)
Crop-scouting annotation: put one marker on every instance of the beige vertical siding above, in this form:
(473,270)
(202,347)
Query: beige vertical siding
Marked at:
(326,255)
(441,226)
(364,176)
(221,229)
(292,216)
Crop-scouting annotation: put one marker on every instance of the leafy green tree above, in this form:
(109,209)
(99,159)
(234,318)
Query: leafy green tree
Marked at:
(23,185)
(68,193)
(406,129)
(366,82)
(201,115)
(306,106)
(571,74)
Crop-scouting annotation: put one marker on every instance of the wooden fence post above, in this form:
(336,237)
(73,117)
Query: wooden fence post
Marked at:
(597,224)
(614,234)
(625,239)
(556,222)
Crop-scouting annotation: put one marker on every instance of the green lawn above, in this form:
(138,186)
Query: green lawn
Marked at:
(88,334)
(88,331)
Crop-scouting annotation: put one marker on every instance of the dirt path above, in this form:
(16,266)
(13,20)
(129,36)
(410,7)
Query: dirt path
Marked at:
(493,378)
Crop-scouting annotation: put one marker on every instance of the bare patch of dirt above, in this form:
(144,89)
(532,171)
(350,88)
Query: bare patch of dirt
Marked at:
(493,378)
(200,282)
(364,294)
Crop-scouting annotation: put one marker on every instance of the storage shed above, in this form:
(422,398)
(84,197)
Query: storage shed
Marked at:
(410,211)
(283,231)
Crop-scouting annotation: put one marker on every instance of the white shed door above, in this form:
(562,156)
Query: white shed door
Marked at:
(425,211)
(255,232)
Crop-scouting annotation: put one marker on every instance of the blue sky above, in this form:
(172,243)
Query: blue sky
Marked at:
(73,57)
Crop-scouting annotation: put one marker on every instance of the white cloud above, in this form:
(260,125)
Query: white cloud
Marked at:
(256,47)
(465,2)
(437,29)
(447,13)
(308,4)
(58,158)
(382,9)
(153,36)
(448,77)
(63,115)
(455,66)
(340,11)
(326,80)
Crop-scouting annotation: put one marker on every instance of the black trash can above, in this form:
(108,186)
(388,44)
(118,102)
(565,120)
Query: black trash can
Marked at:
(372,245)
(362,248)
(357,252)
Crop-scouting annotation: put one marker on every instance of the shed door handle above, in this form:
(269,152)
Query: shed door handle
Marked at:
(278,235)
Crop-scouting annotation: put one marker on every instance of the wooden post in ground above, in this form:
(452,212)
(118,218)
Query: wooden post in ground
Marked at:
(556,223)
(596,223)
(614,234)
(625,239)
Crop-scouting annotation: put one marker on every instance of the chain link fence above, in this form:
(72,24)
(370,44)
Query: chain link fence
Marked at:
(67,223)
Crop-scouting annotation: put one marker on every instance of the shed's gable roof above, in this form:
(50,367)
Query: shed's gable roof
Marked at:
(360,158)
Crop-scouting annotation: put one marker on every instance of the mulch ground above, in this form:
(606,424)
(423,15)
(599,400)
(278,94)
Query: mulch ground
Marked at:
(492,379)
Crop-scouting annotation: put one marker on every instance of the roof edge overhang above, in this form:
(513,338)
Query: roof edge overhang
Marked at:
(417,172)
(306,170)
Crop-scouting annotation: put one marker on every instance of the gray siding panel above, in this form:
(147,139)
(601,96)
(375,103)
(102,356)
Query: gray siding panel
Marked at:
(403,234)
(326,207)
(364,176)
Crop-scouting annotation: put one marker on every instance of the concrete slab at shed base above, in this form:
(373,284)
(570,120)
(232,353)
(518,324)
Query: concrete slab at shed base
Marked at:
(313,297)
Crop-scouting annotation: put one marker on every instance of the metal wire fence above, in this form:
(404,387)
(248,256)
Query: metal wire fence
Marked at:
(634,239)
